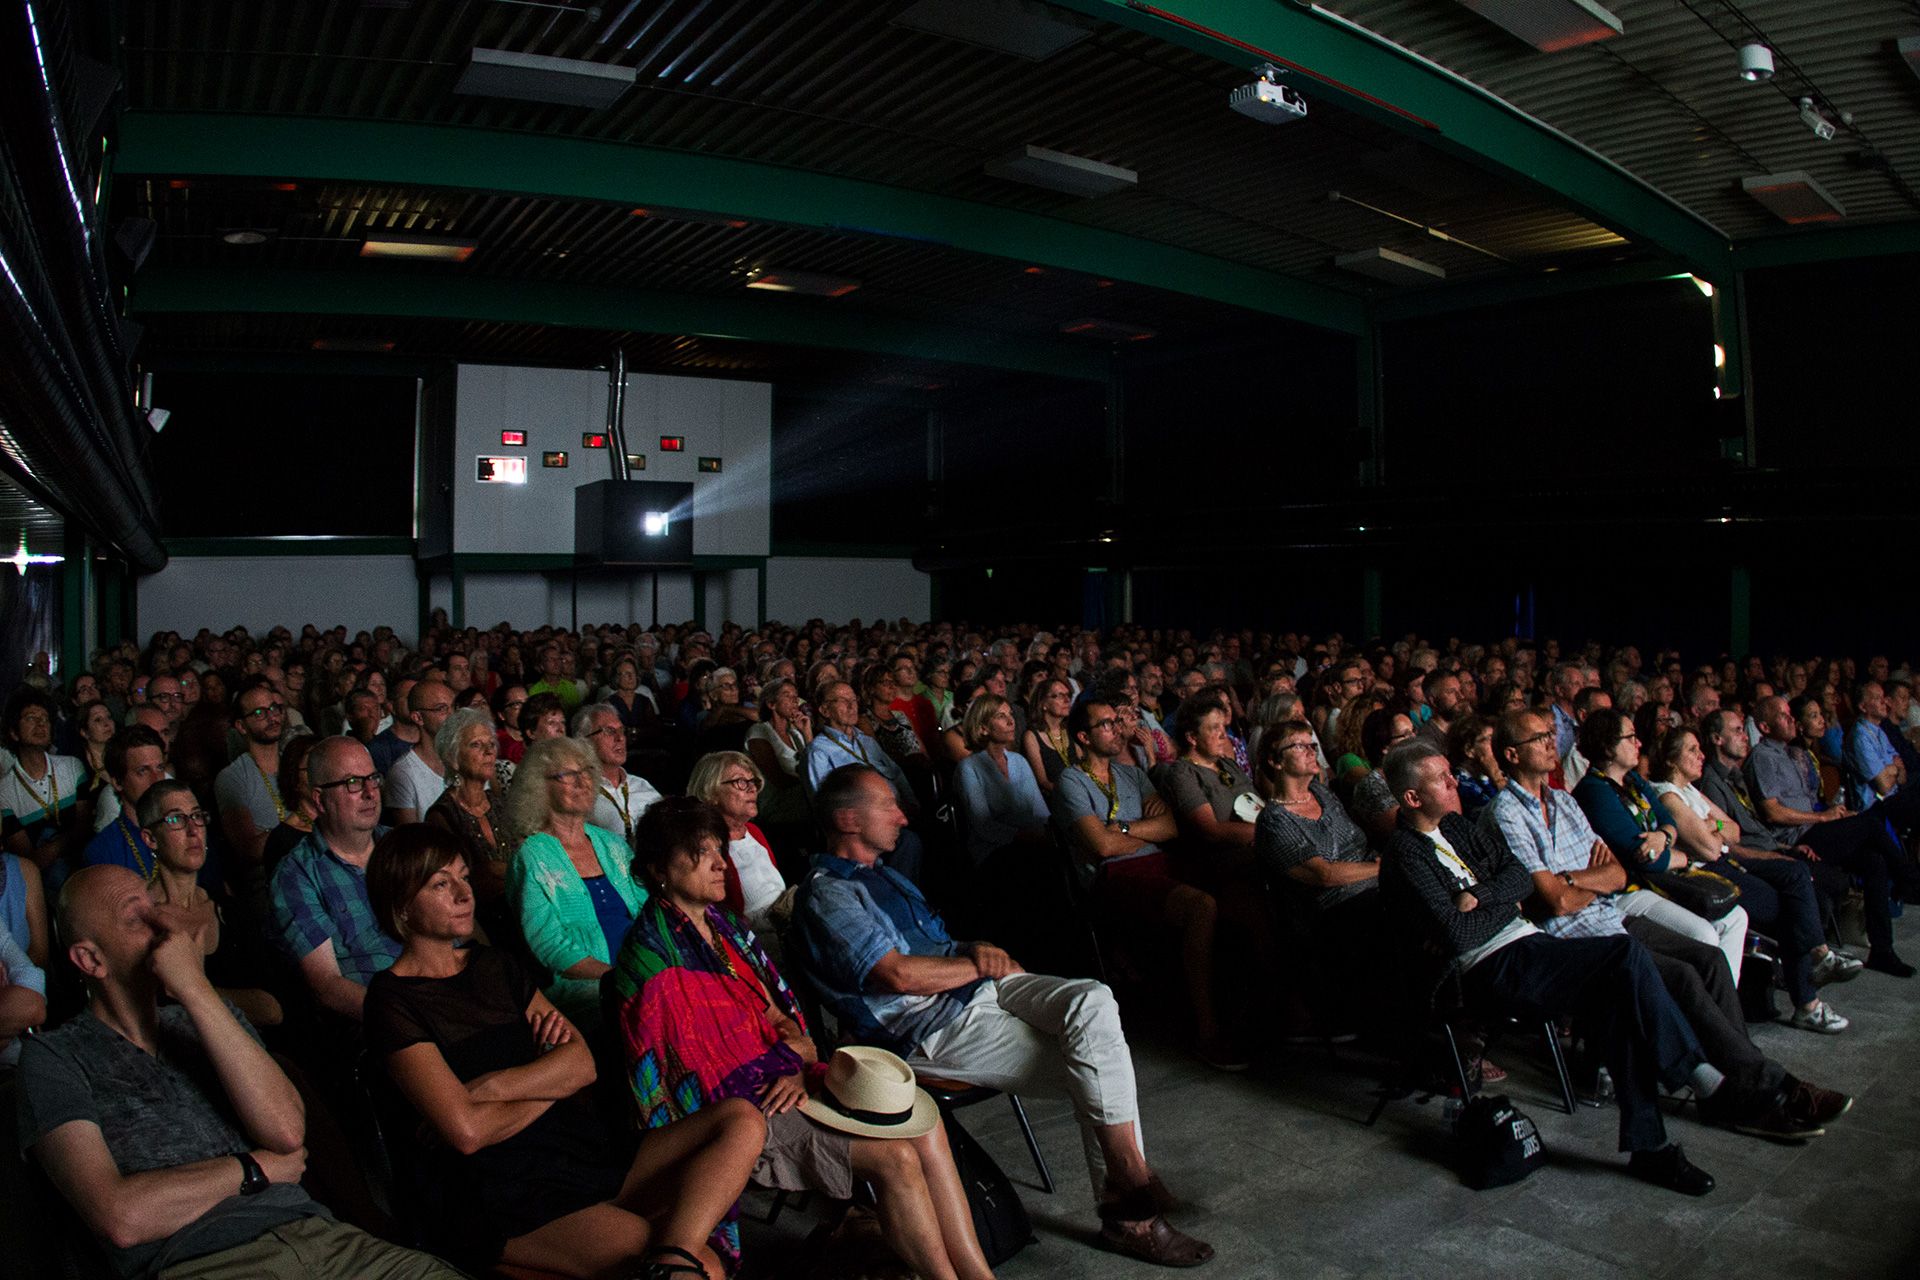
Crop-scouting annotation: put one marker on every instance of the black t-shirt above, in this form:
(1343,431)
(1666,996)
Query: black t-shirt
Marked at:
(477,1018)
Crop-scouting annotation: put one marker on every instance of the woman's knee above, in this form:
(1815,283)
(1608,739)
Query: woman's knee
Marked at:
(741,1122)
(887,1160)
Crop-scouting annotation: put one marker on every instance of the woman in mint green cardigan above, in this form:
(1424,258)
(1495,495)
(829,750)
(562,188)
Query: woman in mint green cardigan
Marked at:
(569,883)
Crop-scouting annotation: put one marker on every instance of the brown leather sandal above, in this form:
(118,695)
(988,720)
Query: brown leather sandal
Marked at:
(1158,1243)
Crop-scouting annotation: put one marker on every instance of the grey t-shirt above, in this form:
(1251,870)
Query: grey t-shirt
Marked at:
(242,785)
(155,1112)
(1076,795)
(1282,840)
(1775,772)
(1189,786)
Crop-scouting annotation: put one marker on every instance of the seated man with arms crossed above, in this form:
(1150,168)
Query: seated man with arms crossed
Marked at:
(889,973)
(1460,887)
(172,1133)
(1577,878)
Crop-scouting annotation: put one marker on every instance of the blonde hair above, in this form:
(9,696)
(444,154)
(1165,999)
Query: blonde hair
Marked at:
(704,782)
(973,725)
(527,808)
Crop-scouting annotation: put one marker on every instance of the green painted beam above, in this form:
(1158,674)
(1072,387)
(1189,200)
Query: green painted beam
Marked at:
(367,289)
(189,144)
(1336,62)
(1836,244)
(1443,300)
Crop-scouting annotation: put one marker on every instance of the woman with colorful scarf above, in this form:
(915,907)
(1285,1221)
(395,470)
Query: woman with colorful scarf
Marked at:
(704,1016)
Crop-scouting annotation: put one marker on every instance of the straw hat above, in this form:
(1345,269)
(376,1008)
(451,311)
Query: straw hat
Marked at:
(870,1093)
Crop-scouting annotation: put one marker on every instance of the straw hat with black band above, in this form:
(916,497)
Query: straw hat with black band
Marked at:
(871,1093)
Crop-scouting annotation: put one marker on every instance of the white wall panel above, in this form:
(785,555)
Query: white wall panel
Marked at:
(799,588)
(259,592)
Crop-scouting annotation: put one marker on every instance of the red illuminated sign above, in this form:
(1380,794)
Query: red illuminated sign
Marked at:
(592,440)
(517,439)
(672,444)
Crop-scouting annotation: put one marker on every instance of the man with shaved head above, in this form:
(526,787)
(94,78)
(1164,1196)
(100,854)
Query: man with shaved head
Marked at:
(320,910)
(174,1135)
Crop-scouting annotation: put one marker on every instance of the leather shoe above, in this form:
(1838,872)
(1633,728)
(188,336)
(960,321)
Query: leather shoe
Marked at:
(1670,1168)
(1154,1241)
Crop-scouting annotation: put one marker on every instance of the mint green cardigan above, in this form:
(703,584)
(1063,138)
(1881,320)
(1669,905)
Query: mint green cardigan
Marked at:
(556,912)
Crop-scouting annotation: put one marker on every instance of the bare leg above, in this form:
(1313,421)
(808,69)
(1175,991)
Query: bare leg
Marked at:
(906,1207)
(602,1240)
(687,1175)
(950,1205)
(1126,1168)
(1193,913)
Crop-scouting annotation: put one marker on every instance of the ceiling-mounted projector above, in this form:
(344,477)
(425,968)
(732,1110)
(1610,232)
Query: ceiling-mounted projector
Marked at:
(1267,100)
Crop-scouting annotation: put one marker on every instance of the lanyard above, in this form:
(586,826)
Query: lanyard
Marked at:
(273,792)
(1109,789)
(1452,859)
(850,746)
(147,869)
(626,820)
(53,787)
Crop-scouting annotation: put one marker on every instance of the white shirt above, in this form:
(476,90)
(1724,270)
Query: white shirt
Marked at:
(410,784)
(617,806)
(1518,928)
(760,882)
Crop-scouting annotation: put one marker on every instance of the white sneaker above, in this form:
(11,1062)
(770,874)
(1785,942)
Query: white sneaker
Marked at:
(1821,1018)
(1835,967)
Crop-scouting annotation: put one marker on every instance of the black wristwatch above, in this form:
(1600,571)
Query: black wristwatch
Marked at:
(253,1178)
(1124,829)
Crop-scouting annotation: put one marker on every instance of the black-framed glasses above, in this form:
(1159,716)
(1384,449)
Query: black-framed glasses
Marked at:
(166,697)
(743,784)
(261,713)
(1536,738)
(354,783)
(175,821)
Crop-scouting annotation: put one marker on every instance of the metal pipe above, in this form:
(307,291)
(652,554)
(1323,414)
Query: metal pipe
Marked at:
(617,413)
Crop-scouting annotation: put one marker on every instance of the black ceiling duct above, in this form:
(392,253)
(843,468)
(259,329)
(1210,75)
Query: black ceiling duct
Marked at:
(68,429)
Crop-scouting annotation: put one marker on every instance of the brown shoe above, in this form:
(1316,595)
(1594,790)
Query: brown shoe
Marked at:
(1814,1106)
(1154,1240)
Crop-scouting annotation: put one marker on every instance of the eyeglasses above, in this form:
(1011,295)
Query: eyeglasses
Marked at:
(175,821)
(1536,738)
(261,713)
(742,784)
(166,697)
(606,729)
(1106,723)
(569,776)
(355,783)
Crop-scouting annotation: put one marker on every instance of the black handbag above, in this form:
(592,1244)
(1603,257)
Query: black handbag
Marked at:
(1707,894)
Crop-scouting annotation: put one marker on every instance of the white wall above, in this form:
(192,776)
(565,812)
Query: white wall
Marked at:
(259,592)
(528,600)
(799,588)
(732,421)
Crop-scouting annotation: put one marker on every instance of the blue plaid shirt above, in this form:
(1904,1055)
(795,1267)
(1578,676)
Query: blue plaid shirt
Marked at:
(1556,839)
(318,898)
(1868,752)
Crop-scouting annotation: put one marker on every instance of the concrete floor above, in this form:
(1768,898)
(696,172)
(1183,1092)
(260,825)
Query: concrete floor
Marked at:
(1285,1181)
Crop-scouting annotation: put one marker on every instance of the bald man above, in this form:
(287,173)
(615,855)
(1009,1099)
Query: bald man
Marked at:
(174,1135)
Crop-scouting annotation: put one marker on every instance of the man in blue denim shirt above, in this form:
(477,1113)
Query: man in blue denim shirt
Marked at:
(966,1011)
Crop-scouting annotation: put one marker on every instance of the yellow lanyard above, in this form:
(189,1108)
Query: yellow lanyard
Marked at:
(1111,790)
(626,823)
(53,787)
(273,792)
(147,869)
(1448,856)
(851,745)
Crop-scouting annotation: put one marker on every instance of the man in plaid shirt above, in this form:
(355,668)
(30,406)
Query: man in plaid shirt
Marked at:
(1576,879)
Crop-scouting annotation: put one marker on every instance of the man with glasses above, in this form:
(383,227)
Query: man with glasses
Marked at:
(840,742)
(40,789)
(320,910)
(1577,880)
(165,692)
(247,792)
(622,796)
(416,779)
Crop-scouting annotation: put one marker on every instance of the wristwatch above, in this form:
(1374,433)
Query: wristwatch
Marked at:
(1123,827)
(254,1179)
(1568,877)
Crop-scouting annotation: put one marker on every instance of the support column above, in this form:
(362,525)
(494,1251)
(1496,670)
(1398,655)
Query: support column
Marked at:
(74,584)
(1371,415)
(1116,437)
(699,600)
(1740,628)
(1735,374)
(760,585)
(457,595)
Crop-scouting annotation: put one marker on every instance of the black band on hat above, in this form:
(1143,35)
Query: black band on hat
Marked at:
(866,1117)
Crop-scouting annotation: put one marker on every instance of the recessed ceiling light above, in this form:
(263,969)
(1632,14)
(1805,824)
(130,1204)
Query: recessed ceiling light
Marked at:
(1550,25)
(810,282)
(1058,171)
(1028,31)
(423,248)
(1394,268)
(1794,197)
(534,77)
(245,237)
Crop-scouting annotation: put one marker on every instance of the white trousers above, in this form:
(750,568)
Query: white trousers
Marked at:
(1043,1037)
(1729,932)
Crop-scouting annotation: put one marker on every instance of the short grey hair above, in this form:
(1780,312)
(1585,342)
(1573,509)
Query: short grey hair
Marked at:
(446,741)
(583,718)
(1403,763)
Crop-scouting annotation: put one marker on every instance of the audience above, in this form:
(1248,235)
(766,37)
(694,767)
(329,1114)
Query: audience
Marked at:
(620,797)
(732,784)
(523,1172)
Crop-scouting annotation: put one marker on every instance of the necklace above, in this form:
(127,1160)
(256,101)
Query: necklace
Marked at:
(149,866)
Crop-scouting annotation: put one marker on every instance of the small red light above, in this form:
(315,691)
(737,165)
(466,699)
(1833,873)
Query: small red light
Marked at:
(1103,284)
(639,213)
(178,184)
(1034,271)
(283,186)
(518,439)
(592,440)
(672,444)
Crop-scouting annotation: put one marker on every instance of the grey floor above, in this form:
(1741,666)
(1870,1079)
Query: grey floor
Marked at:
(1285,1181)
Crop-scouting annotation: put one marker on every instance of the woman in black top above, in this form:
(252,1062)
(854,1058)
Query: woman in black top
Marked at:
(519,1169)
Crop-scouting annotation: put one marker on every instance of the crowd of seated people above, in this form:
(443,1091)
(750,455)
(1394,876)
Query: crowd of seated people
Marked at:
(554,893)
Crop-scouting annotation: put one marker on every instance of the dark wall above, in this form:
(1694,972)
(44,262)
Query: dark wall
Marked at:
(254,455)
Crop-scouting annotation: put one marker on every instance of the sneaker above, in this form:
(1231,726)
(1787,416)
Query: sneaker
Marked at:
(1821,1018)
(1885,961)
(1768,1118)
(1670,1168)
(1836,967)
(1811,1104)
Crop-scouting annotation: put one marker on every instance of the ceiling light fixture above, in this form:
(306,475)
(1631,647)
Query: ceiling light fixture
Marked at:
(1058,171)
(809,282)
(1810,116)
(1393,268)
(1794,197)
(1756,62)
(1029,31)
(534,77)
(1550,26)
(421,248)
(244,236)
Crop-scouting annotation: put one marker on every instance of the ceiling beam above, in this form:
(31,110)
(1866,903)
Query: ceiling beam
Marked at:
(448,295)
(163,144)
(1327,57)
(1835,244)
(1420,304)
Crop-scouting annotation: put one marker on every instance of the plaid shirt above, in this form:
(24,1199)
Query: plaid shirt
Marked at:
(1556,840)
(318,898)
